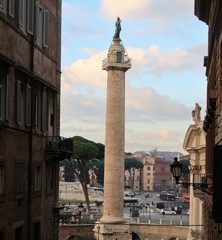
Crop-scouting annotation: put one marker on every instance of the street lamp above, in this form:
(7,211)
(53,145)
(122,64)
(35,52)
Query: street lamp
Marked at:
(80,209)
(176,170)
(98,229)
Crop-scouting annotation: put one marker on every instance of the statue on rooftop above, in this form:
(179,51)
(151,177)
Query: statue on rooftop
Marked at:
(196,113)
(118,28)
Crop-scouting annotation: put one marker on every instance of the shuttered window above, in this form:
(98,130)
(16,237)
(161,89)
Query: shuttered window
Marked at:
(11,7)
(46,29)
(30,16)
(3,6)
(44,112)
(38,110)
(28,105)
(42,25)
(39,24)
(38,178)
(3,97)
(20,168)
(20,103)
(22,14)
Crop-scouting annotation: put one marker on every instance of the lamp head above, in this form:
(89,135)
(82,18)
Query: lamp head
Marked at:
(176,169)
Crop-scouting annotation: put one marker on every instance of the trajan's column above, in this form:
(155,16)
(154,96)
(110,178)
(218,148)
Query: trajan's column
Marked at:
(111,225)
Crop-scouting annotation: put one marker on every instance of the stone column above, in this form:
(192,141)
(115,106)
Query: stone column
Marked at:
(116,64)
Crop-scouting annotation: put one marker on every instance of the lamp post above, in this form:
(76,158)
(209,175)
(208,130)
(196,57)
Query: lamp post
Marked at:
(176,170)
(98,229)
(80,209)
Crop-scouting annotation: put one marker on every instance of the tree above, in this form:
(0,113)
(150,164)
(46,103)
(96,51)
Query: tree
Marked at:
(130,165)
(185,169)
(84,151)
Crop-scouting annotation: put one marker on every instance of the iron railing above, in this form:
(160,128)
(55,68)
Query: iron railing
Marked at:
(58,144)
(125,60)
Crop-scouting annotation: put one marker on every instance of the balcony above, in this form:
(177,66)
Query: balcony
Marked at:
(58,148)
(124,60)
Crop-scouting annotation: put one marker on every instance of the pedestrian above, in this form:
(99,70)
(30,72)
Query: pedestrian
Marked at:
(163,213)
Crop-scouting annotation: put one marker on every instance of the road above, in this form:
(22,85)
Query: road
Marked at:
(155,217)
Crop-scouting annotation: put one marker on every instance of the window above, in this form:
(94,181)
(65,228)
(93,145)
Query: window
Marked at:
(148,181)
(119,57)
(11,7)
(3,97)
(26,14)
(21,103)
(37,235)
(2,179)
(50,115)
(38,110)
(42,25)
(38,178)
(18,233)
(46,29)
(39,23)
(30,16)
(44,112)
(148,174)
(28,105)
(49,179)
(148,168)
(22,14)
(3,6)
(20,169)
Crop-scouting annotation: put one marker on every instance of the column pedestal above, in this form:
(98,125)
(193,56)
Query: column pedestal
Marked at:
(112,231)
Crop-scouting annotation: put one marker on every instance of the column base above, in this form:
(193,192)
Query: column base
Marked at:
(112,231)
(112,220)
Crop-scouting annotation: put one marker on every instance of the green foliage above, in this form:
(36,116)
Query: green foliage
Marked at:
(185,164)
(84,149)
(132,163)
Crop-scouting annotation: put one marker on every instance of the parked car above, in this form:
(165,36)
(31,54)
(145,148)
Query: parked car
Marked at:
(167,212)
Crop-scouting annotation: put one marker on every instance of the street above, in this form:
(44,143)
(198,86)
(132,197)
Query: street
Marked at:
(155,217)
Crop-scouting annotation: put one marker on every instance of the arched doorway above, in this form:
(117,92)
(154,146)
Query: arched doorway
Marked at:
(135,236)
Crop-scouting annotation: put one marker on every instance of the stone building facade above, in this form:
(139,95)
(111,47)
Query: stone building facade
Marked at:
(148,173)
(154,176)
(30,145)
(163,176)
(210,12)
(194,144)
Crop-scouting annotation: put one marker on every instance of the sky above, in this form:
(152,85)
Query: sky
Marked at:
(166,43)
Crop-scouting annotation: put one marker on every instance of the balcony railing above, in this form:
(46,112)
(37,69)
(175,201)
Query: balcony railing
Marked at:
(59,144)
(125,60)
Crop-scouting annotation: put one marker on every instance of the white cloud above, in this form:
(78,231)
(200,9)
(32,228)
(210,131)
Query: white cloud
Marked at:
(146,104)
(148,138)
(85,72)
(158,63)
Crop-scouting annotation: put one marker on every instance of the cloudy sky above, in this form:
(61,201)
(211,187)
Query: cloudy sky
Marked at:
(166,43)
